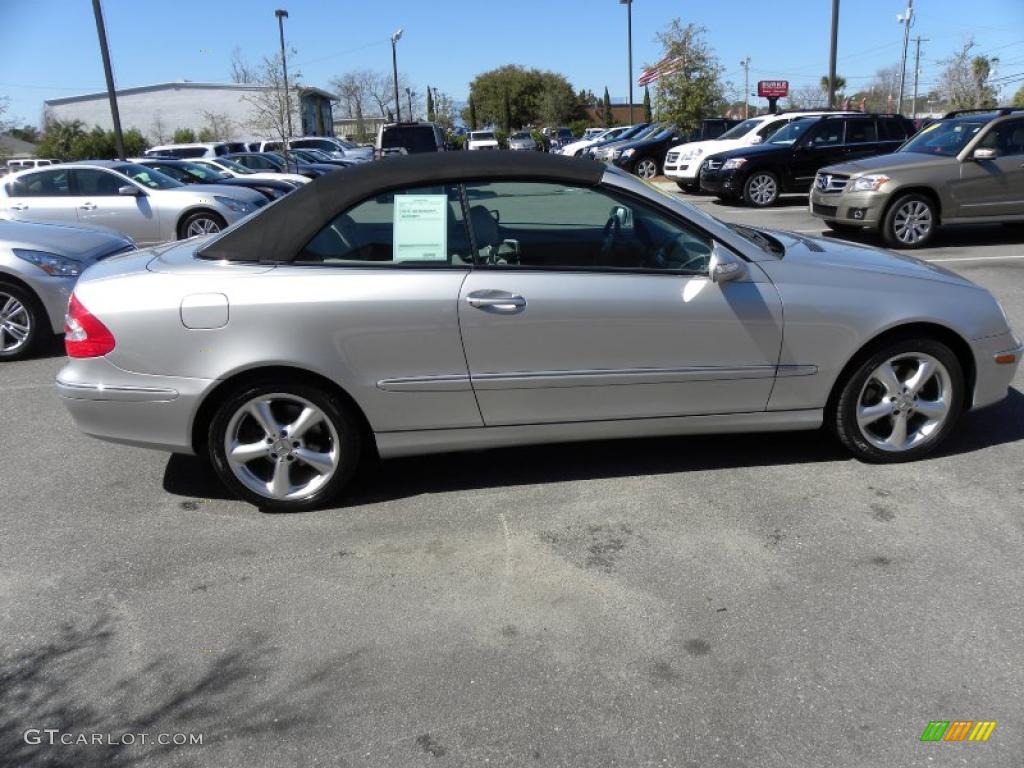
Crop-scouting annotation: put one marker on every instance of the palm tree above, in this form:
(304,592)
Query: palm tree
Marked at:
(840,84)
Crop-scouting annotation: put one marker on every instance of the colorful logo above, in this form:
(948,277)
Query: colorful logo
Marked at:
(958,730)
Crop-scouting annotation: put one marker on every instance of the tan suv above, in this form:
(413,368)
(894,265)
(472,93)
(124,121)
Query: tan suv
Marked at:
(967,168)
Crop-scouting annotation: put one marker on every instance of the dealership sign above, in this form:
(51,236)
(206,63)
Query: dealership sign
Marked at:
(772,89)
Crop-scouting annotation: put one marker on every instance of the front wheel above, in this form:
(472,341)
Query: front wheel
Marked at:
(283,446)
(200,223)
(910,222)
(22,320)
(761,189)
(901,402)
(646,167)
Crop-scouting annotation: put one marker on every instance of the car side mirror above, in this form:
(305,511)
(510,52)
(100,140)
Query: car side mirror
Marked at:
(129,191)
(983,153)
(724,266)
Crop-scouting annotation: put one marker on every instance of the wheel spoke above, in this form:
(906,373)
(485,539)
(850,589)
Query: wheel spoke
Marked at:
(308,418)
(321,462)
(264,417)
(9,306)
(243,453)
(280,484)
(886,376)
(933,410)
(898,438)
(869,414)
(925,371)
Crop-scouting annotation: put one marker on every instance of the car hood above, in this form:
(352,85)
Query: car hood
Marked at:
(359,152)
(840,254)
(892,161)
(223,190)
(80,242)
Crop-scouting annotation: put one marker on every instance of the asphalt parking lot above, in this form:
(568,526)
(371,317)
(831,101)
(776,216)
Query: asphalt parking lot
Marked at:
(730,601)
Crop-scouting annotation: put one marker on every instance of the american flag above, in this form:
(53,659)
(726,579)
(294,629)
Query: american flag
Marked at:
(667,66)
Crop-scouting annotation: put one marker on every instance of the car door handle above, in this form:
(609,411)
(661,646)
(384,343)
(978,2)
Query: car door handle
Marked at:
(498,301)
(88,207)
(19,207)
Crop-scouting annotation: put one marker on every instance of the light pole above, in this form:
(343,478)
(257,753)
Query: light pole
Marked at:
(115,115)
(281,16)
(832,55)
(917,71)
(394,66)
(629,51)
(746,84)
(408,95)
(905,19)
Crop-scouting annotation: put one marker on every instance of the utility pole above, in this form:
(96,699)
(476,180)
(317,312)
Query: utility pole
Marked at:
(917,71)
(115,115)
(408,94)
(832,55)
(905,19)
(746,85)
(629,50)
(394,65)
(281,16)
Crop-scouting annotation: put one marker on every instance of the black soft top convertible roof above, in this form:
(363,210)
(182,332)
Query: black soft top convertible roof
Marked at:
(280,231)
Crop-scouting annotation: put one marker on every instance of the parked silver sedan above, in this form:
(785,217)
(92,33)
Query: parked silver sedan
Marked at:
(137,201)
(39,264)
(468,300)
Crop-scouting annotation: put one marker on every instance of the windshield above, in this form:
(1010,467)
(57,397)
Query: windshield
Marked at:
(481,136)
(944,138)
(204,172)
(521,135)
(741,130)
(147,177)
(274,159)
(231,165)
(413,138)
(788,135)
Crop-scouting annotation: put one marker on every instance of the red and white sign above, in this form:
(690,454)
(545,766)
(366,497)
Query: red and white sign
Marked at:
(772,89)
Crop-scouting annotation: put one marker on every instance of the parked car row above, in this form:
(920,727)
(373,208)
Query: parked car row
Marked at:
(334,147)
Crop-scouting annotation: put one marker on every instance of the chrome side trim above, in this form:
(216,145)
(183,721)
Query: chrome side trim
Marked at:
(392,444)
(453,383)
(785,371)
(97,391)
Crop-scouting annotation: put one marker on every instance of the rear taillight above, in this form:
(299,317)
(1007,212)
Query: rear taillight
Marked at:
(84,335)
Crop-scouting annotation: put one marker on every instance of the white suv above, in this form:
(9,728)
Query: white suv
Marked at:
(682,163)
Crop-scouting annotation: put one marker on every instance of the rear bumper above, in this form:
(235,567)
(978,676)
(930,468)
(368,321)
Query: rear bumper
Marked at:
(148,411)
(992,380)
(854,208)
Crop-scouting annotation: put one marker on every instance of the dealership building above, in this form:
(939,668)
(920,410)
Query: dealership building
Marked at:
(159,110)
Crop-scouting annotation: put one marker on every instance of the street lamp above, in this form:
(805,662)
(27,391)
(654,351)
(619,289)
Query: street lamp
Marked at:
(281,16)
(629,48)
(394,64)
(408,94)
(906,19)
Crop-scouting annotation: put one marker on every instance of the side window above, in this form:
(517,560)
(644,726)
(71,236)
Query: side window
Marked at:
(828,133)
(861,131)
(92,182)
(769,128)
(413,227)
(1007,139)
(891,129)
(44,184)
(529,225)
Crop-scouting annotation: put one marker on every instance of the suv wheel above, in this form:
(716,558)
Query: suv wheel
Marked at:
(761,189)
(21,321)
(647,168)
(902,401)
(910,222)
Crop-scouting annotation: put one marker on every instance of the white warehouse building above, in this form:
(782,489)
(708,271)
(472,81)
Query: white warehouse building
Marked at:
(159,110)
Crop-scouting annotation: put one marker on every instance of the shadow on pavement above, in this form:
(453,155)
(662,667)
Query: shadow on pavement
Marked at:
(567,462)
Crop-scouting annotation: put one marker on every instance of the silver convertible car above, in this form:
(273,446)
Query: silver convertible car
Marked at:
(468,300)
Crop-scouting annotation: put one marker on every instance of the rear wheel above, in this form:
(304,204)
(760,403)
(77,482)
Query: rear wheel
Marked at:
(901,402)
(283,446)
(200,223)
(910,222)
(22,322)
(761,189)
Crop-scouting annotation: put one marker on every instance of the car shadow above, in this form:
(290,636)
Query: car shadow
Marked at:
(952,236)
(380,481)
(50,346)
(784,201)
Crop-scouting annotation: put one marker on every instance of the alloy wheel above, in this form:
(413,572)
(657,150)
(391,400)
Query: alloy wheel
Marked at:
(904,402)
(15,323)
(913,222)
(202,226)
(763,189)
(282,446)
(647,168)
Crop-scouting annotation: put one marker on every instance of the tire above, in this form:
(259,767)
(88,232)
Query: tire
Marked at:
(761,190)
(910,222)
(688,187)
(846,229)
(23,322)
(865,418)
(646,168)
(207,221)
(331,437)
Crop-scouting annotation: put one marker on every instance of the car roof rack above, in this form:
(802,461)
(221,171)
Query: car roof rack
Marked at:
(1000,111)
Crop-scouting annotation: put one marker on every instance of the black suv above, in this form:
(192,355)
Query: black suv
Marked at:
(645,156)
(409,139)
(789,160)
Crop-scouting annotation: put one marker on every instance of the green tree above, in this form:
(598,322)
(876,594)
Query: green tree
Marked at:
(506,114)
(691,87)
(964,83)
(68,140)
(183,136)
(606,109)
(648,115)
(430,105)
(58,138)
(531,94)
(27,133)
(1018,97)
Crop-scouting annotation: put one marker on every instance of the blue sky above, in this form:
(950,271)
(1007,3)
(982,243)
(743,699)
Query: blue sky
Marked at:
(50,46)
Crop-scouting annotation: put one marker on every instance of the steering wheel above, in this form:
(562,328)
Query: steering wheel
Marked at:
(675,256)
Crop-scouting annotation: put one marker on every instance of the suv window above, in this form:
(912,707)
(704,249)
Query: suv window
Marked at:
(861,131)
(891,129)
(43,184)
(828,133)
(1007,139)
(412,227)
(413,138)
(530,225)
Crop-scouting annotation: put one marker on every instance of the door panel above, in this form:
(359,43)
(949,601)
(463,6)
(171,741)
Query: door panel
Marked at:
(98,203)
(595,346)
(43,196)
(994,187)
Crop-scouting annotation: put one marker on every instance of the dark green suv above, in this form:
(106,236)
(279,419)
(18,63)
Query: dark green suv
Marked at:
(967,168)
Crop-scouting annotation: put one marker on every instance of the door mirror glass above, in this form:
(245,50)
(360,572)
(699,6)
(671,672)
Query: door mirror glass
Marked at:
(129,191)
(756,139)
(724,266)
